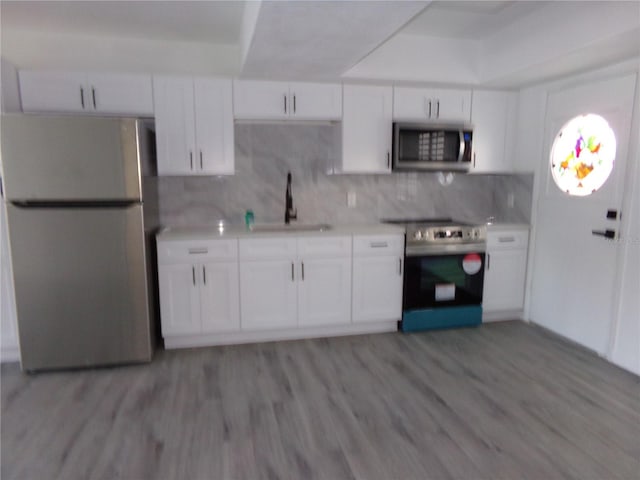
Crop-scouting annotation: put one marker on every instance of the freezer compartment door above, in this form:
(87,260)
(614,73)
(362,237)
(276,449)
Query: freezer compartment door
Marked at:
(80,286)
(70,158)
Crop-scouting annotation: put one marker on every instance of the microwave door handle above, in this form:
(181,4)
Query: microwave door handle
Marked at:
(461,152)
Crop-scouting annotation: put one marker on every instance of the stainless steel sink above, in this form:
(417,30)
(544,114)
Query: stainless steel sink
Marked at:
(292,227)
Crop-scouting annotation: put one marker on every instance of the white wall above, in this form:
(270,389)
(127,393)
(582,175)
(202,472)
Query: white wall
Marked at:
(625,348)
(625,326)
(9,90)
(9,102)
(40,50)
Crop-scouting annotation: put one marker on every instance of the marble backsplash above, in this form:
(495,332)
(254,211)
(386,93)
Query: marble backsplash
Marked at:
(265,153)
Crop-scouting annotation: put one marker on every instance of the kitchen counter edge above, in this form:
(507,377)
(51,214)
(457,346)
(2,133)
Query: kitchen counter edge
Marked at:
(236,231)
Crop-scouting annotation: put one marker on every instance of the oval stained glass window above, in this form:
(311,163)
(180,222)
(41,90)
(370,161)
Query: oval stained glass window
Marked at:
(582,155)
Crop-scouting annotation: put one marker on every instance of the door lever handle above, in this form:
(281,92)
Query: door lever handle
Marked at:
(604,233)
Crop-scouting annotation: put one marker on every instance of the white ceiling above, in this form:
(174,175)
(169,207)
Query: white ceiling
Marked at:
(468,19)
(321,39)
(190,21)
(497,43)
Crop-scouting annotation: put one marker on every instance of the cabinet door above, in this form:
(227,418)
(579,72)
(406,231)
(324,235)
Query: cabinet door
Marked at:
(366,129)
(489,118)
(450,105)
(175,125)
(504,279)
(411,104)
(179,300)
(126,94)
(268,290)
(420,104)
(64,92)
(219,299)
(324,292)
(315,101)
(377,288)
(261,100)
(214,126)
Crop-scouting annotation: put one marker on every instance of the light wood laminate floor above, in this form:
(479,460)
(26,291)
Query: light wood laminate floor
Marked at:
(500,401)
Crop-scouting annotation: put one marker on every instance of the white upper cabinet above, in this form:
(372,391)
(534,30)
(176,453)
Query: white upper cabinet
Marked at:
(258,100)
(493,115)
(79,92)
(194,126)
(366,129)
(429,104)
(315,101)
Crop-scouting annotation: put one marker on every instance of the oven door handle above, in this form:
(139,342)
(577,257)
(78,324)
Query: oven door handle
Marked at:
(451,249)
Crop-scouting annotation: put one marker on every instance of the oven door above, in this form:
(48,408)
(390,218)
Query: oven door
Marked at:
(454,279)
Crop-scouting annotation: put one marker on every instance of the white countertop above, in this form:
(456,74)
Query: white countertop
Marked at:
(500,226)
(238,231)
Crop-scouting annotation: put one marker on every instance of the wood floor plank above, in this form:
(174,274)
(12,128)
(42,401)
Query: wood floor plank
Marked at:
(505,400)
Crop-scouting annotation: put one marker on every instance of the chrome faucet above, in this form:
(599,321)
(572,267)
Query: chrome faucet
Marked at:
(290,213)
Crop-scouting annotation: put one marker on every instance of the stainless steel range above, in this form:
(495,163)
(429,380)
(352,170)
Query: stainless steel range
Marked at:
(443,275)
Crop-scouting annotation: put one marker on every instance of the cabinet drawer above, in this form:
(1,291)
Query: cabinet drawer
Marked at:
(324,246)
(378,245)
(277,247)
(507,239)
(181,251)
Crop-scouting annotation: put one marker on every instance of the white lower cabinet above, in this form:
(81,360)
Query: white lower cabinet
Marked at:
(179,300)
(324,291)
(264,287)
(300,282)
(198,283)
(269,294)
(505,272)
(378,263)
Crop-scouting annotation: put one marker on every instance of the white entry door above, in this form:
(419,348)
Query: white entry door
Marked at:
(574,270)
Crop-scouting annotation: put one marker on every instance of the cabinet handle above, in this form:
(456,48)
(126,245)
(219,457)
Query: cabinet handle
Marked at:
(438,109)
(193,274)
(429,108)
(93,95)
(191,159)
(82,97)
(400,266)
(294,103)
(302,263)
(200,159)
(388,160)
(198,251)
(378,244)
(292,267)
(506,239)
(488,261)
(285,103)
(474,159)
(204,275)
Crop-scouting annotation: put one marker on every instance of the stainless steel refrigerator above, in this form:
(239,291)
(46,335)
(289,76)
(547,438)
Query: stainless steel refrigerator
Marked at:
(82,272)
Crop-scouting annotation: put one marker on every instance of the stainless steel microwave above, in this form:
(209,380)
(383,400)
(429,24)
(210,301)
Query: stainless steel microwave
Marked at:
(436,147)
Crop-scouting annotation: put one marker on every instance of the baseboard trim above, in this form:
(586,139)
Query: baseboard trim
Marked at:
(231,338)
(502,315)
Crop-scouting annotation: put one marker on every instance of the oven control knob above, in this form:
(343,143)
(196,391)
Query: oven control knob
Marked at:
(417,235)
